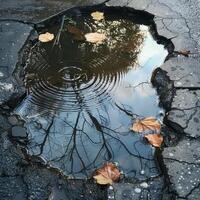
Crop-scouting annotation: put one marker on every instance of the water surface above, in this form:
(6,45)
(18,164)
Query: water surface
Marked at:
(83,97)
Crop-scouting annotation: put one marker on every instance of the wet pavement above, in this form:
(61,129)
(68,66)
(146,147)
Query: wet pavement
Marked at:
(177,82)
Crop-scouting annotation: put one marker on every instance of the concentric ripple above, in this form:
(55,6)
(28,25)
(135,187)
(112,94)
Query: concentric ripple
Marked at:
(69,88)
(71,73)
(80,74)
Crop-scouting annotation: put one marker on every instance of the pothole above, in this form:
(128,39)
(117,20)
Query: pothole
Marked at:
(82,97)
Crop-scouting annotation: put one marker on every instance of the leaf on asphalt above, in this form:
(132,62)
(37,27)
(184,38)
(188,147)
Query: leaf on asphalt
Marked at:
(149,123)
(97,38)
(155,140)
(97,15)
(184,53)
(46,37)
(76,32)
(107,174)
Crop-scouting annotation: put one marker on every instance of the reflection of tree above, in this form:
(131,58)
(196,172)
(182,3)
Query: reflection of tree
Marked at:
(80,141)
(118,52)
(108,142)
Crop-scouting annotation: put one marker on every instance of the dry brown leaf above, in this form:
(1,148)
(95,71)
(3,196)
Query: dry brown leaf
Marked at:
(107,174)
(184,53)
(46,37)
(149,123)
(155,139)
(76,32)
(97,15)
(97,38)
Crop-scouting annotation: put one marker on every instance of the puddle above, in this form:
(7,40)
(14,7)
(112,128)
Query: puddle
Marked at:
(82,97)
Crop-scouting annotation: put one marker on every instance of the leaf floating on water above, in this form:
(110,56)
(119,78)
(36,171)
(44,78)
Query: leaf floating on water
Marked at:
(46,37)
(97,38)
(107,174)
(155,140)
(149,123)
(98,16)
(76,32)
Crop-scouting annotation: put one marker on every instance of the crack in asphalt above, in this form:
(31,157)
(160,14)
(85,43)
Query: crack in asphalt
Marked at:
(181,161)
(198,186)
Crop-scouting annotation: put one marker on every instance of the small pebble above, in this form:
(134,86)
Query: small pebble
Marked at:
(144,185)
(18,131)
(142,172)
(138,190)
(110,187)
(13,120)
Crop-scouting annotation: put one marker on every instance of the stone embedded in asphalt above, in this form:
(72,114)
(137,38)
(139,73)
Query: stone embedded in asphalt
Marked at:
(13,120)
(18,131)
(144,185)
(13,36)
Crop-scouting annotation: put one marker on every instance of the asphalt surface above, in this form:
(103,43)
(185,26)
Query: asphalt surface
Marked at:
(178,84)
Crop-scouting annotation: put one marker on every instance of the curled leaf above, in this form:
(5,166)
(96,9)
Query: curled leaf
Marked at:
(107,174)
(155,140)
(97,15)
(46,37)
(149,123)
(184,53)
(97,38)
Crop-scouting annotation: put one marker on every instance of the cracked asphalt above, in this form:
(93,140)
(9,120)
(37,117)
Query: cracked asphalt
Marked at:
(21,178)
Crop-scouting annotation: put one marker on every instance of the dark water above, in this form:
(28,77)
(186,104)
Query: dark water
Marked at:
(82,97)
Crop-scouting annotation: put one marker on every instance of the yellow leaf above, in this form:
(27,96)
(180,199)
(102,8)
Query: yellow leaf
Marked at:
(149,123)
(46,37)
(97,15)
(97,38)
(102,180)
(155,139)
(107,174)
